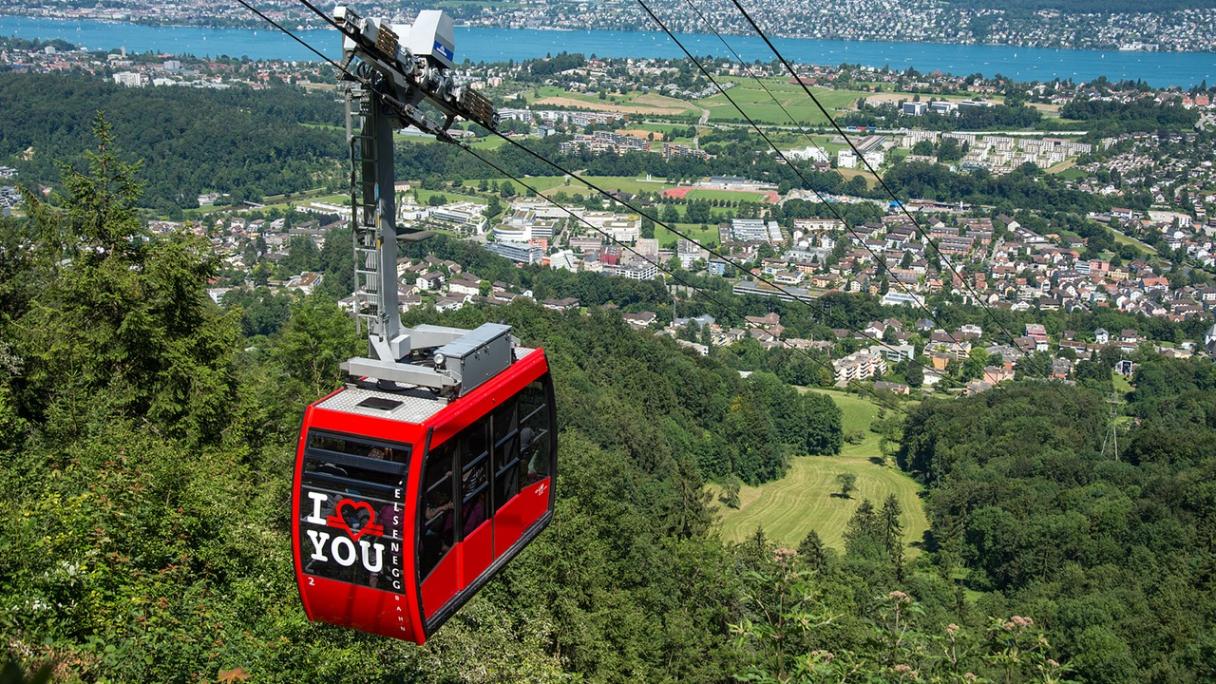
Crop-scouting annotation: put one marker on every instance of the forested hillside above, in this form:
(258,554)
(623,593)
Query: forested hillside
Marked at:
(146,451)
(248,143)
(1114,557)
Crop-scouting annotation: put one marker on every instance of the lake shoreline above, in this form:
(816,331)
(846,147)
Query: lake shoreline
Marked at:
(485,44)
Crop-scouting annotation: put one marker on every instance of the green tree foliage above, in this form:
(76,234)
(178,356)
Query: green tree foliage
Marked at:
(807,423)
(847,482)
(146,453)
(248,143)
(730,492)
(147,456)
(1024,187)
(302,255)
(263,311)
(118,313)
(1093,547)
(563,61)
(864,536)
(812,551)
(843,623)
(1110,117)
(337,263)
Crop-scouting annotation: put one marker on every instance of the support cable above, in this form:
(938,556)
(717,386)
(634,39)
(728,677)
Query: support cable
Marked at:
(879,260)
(708,294)
(919,229)
(444,136)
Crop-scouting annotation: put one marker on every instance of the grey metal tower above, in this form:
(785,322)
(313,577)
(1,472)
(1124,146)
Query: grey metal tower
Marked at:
(387,91)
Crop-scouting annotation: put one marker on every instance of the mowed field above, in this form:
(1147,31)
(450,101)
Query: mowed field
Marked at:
(706,236)
(642,104)
(619,183)
(789,508)
(758,105)
(862,173)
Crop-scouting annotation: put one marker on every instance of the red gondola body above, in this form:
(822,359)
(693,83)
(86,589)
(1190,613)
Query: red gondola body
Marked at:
(404,505)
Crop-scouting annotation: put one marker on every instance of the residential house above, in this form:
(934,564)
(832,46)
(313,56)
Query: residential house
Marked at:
(563,304)
(431,280)
(641,319)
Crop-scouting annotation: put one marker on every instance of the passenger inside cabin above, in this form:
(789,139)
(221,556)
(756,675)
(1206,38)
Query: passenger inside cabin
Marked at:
(475,510)
(528,453)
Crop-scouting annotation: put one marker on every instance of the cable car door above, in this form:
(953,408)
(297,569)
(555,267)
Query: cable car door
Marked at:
(476,548)
(522,463)
(437,556)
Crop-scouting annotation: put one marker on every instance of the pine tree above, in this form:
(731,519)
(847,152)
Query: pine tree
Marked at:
(812,552)
(893,533)
(863,537)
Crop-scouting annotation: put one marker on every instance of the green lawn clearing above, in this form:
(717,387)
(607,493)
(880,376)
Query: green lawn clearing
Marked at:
(760,107)
(706,236)
(789,508)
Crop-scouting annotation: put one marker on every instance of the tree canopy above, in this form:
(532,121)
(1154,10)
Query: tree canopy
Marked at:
(146,448)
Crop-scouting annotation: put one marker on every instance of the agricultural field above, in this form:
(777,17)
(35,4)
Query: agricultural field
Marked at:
(758,105)
(637,103)
(862,173)
(897,96)
(672,132)
(807,498)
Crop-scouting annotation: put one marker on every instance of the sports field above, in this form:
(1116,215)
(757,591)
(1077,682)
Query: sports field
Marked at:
(551,185)
(758,105)
(714,194)
(789,508)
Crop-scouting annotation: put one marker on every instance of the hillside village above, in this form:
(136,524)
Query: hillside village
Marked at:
(1155,261)
(1001,261)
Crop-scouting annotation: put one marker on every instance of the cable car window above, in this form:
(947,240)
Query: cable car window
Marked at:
(398,453)
(351,492)
(438,518)
(474,477)
(506,452)
(534,434)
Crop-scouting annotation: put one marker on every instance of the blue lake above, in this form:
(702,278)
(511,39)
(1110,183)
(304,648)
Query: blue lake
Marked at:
(501,44)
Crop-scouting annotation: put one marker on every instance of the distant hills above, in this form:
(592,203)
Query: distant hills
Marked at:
(1080,6)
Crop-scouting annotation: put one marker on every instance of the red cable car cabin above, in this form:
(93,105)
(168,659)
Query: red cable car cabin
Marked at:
(406,503)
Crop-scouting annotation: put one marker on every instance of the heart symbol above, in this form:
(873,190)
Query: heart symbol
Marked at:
(348,511)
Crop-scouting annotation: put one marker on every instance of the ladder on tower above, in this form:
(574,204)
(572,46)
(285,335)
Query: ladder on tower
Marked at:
(368,298)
